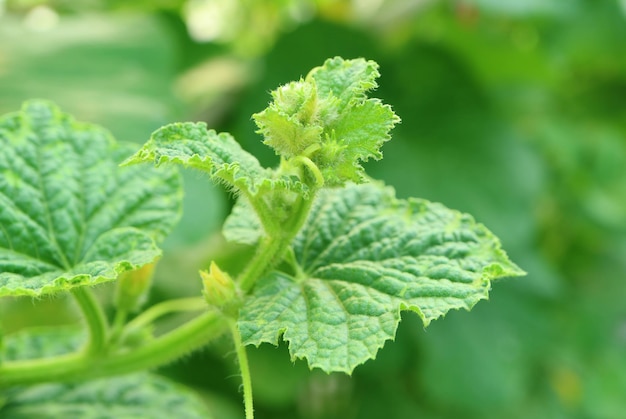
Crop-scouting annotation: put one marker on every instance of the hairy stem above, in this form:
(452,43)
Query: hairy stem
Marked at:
(53,369)
(272,248)
(242,357)
(180,341)
(301,212)
(261,262)
(263,211)
(95,318)
(84,366)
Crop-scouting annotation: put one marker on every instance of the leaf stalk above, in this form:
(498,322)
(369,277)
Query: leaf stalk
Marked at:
(272,247)
(95,318)
(246,379)
(85,365)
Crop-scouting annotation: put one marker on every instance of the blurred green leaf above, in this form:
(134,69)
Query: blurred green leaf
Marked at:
(42,342)
(128,397)
(112,69)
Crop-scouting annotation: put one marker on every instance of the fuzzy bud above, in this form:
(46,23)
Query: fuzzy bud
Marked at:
(220,290)
(291,123)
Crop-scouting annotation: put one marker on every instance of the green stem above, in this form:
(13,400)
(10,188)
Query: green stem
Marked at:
(95,318)
(118,326)
(53,369)
(84,366)
(290,258)
(315,171)
(180,341)
(271,249)
(246,379)
(261,262)
(166,307)
(263,211)
(301,213)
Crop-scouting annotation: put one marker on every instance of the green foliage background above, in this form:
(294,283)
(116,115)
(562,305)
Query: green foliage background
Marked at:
(512,111)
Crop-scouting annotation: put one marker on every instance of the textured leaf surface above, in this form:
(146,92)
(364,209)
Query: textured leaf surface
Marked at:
(192,145)
(347,80)
(141,396)
(328,117)
(133,396)
(363,257)
(69,215)
(357,135)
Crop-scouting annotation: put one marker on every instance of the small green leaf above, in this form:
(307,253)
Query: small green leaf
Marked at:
(69,216)
(362,257)
(192,145)
(327,117)
(355,136)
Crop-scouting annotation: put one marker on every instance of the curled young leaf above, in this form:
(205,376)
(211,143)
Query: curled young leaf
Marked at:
(192,145)
(328,118)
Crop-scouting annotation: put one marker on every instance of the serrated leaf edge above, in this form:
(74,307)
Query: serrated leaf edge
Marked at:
(66,282)
(501,268)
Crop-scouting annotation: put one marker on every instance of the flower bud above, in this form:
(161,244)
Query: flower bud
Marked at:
(291,123)
(220,290)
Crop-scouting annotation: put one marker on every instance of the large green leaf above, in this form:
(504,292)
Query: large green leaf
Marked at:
(133,396)
(69,215)
(362,257)
(192,145)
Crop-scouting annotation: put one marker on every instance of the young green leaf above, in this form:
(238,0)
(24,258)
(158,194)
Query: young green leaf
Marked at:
(362,257)
(348,81)
(327,117)
(69,216)
(192,145)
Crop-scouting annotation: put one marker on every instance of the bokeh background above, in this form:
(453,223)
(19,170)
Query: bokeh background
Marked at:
(513,111)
